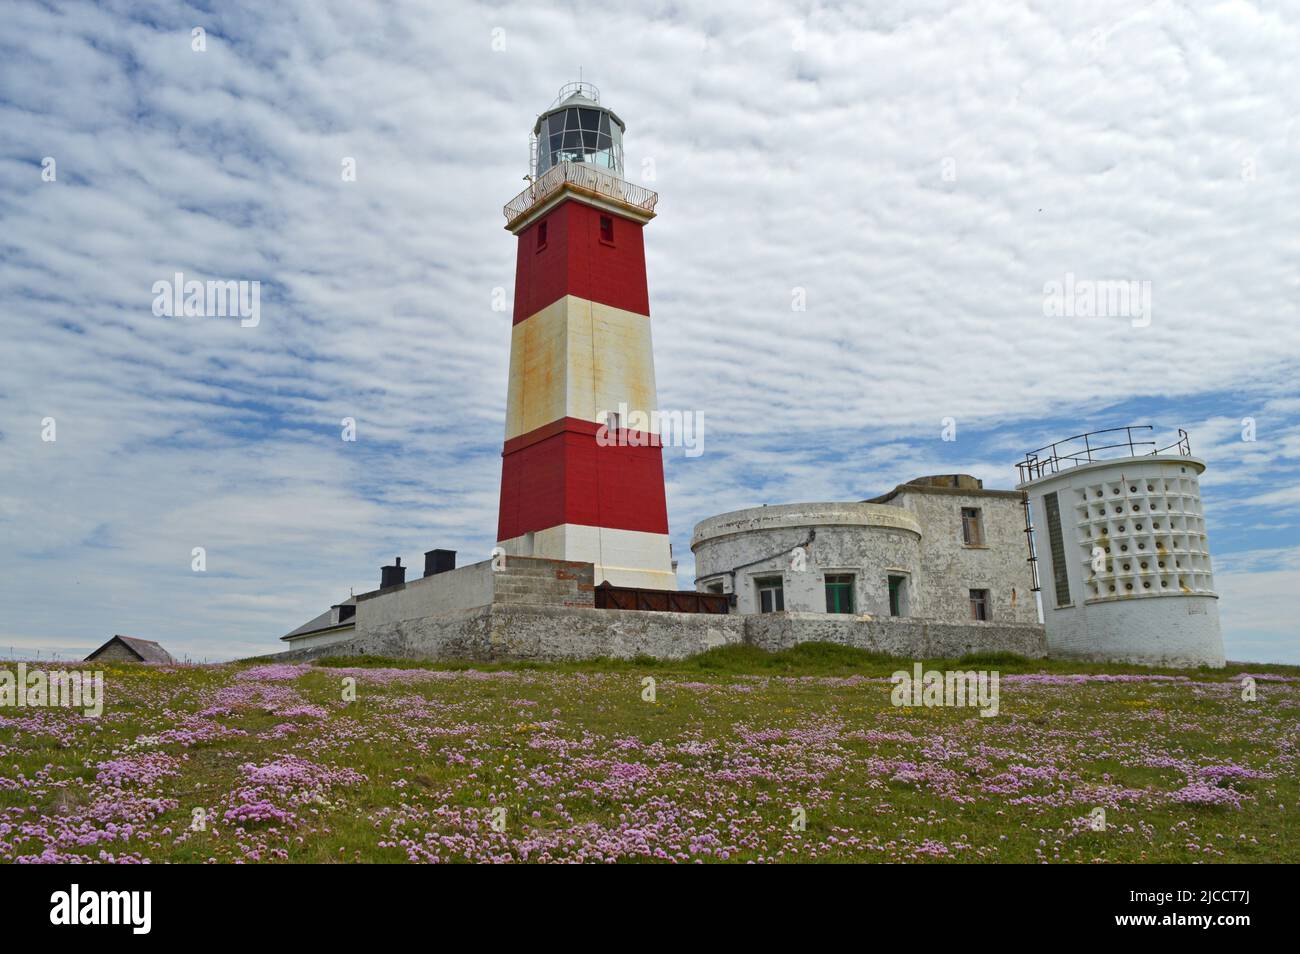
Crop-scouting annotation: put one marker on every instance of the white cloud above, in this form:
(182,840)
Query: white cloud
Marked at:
(817,167)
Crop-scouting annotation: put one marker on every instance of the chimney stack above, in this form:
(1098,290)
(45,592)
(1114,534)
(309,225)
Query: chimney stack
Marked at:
(392,575)
(439,561)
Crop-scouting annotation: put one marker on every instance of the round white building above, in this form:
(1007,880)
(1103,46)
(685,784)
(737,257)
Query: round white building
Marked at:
(1120,539)
(940,548)
(811,557)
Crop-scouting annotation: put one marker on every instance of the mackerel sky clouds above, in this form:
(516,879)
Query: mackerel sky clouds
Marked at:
(921,171)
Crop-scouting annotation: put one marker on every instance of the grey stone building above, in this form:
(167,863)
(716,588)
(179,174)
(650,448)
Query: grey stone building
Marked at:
(938,548)
(131,649)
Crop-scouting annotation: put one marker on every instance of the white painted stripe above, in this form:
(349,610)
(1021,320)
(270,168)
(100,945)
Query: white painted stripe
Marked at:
(578,358)
(624,557)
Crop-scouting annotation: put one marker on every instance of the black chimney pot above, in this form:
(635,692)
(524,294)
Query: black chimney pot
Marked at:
(392,575)
(439,561)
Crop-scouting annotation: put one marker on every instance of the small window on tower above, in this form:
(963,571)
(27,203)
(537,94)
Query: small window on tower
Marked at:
(541,236)
(607,229)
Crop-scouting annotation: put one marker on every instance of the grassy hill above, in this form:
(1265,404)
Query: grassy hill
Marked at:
(254,762)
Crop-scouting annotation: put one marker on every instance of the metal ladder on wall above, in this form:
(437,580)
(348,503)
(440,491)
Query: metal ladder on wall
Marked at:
(1029,541)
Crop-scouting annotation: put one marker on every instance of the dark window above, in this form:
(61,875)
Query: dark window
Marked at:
(541,235)
(1060,574)
(578,135)
(607,228)
(771,594)
(972,534)
(979,605)
(714,587)
(898,596)
(839,593)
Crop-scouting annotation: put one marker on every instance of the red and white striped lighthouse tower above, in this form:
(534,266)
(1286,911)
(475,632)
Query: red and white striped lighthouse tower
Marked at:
(577,481)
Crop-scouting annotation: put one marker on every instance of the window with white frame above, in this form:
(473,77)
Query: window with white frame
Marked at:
(771,594)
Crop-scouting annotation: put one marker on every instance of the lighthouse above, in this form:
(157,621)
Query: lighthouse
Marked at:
(582,466)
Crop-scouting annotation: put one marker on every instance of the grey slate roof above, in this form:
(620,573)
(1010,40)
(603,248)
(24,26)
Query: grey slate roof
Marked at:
(146,650)
(324,621)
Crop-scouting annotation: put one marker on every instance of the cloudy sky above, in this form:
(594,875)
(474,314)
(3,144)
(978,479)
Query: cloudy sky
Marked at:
(917,171)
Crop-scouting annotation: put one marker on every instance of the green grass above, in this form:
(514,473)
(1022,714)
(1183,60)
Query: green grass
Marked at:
(812,658)
(734,741)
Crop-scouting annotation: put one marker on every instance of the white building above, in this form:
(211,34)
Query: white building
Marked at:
(1121,543)
(939,548)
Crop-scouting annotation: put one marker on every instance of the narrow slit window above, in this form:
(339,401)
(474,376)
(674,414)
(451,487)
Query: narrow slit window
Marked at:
(607,228)
(1060,573)
(541,236)
(898,596)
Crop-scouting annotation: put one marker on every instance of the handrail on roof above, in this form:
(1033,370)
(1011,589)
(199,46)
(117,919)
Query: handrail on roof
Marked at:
(1064,456)
(584,176)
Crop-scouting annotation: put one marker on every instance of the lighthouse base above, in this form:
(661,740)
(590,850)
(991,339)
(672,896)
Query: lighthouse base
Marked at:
(622,557)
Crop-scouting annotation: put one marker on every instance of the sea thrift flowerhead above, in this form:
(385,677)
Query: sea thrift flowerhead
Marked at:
(142,770)
(1205,793)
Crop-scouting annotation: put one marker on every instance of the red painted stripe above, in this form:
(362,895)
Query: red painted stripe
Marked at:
(575,261)
(623,435)
(567,477)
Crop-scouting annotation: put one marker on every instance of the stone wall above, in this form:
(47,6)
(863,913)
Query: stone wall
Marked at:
(462,588)
(517,580)
(116,652)
(513,631)
(913,638)
(541,582)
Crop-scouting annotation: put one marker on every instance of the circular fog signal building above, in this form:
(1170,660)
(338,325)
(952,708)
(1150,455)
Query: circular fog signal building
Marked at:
(1119,539)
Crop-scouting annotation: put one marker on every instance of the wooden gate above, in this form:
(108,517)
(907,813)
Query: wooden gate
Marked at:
(609,596)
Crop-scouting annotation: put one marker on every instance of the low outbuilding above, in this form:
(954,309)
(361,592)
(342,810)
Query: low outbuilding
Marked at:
(131,649)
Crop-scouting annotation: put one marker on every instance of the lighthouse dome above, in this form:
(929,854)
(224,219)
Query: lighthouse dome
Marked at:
(576,128)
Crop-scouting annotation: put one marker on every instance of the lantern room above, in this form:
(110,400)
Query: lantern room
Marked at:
(578,129)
